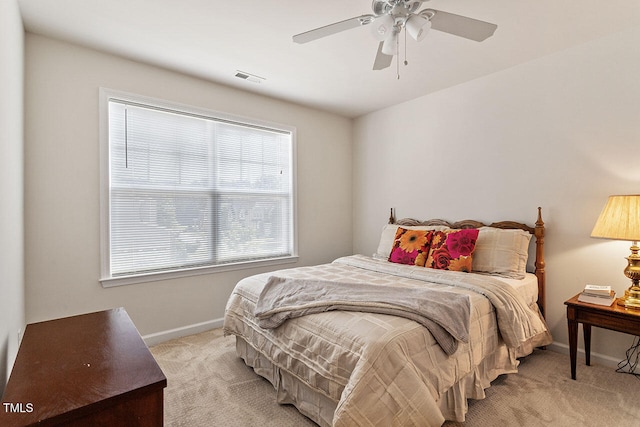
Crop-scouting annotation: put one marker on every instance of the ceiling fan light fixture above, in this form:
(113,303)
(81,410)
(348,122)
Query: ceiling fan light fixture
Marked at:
(418,26)
(382,26)
(390,45)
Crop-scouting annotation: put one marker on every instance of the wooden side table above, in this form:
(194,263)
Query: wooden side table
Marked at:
(93,369)
(614,317)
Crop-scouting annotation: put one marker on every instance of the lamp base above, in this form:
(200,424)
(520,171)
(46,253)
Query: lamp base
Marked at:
(631,298)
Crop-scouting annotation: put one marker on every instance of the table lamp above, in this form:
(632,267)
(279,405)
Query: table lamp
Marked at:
(620,220)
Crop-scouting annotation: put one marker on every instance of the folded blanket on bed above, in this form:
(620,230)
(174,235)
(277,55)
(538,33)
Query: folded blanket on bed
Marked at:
(444,314)
(517,321)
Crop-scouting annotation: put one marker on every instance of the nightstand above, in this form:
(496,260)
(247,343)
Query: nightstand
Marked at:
(614,317)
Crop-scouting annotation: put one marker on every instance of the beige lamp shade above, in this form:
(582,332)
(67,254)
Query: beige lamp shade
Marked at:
(620,219)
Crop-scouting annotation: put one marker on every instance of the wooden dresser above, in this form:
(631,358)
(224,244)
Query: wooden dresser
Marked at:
(87,370)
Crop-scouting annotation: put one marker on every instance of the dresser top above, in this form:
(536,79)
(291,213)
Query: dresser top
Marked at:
(78,363)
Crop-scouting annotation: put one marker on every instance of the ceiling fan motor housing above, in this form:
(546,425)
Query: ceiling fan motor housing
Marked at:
(395,8)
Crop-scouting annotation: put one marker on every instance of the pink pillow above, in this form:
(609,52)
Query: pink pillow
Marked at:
(452,250)
(410,246)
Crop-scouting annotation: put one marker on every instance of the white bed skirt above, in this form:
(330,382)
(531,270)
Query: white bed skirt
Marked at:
(320,408)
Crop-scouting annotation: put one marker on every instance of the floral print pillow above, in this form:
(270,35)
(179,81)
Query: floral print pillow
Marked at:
(452,250)
(411,246)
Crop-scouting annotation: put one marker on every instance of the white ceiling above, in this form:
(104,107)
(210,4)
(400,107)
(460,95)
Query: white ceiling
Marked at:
(212,39)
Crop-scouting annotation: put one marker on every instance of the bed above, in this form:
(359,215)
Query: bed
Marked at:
(347,363)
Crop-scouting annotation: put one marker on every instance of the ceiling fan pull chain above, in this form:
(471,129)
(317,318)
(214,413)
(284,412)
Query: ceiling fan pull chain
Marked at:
(398,56)
(405,48)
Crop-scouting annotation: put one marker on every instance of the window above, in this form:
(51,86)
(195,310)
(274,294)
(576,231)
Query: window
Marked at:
(186,190)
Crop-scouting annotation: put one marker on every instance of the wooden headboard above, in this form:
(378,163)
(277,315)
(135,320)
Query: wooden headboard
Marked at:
(537,232)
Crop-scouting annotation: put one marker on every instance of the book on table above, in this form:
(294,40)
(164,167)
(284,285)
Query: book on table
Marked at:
(597,298)
(597,290)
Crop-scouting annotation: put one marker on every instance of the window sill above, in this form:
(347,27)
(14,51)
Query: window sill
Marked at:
(166,275)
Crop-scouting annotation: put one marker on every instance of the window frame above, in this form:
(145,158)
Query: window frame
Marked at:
(106,279)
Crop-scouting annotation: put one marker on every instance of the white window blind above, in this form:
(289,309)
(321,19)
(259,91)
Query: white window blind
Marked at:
(188,190)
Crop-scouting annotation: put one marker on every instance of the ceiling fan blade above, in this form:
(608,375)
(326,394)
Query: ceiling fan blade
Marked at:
(458,25)
(334,28)
(382,60)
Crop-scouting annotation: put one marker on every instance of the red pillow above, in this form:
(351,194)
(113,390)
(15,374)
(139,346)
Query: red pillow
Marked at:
(452,250)
(411,246)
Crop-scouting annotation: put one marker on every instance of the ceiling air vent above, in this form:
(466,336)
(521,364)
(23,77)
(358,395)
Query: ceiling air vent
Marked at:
(249,77)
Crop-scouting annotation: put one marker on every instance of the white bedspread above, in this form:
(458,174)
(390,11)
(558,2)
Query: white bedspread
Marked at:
(382,369)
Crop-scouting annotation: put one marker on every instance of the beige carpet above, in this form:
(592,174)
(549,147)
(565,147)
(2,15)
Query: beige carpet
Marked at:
(208,385)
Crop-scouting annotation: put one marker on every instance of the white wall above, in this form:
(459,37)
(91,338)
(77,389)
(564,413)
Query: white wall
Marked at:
(62,185)
(11,188)
(561,132)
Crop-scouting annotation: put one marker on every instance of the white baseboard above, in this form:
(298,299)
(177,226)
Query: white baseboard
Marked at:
(596,358)
(160,337)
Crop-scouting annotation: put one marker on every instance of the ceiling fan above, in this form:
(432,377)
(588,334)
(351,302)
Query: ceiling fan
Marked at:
(390,17)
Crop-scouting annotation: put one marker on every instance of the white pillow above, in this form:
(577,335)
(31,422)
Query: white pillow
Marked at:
(389,233)
(502,252)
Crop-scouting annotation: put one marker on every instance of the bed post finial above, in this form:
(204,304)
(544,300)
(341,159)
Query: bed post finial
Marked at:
(392,219)
(539,221)
(539,233)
